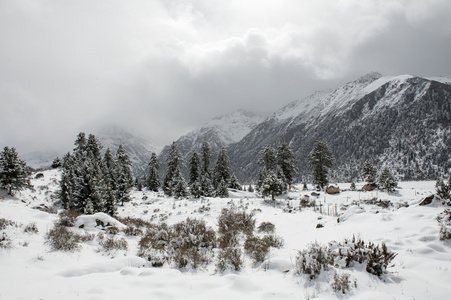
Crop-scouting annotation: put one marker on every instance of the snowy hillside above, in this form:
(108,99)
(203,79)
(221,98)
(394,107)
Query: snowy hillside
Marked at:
(138,148)
(399,121)
(105,265)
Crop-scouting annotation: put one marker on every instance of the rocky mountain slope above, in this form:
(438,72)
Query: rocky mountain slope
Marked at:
(402,121)
(220,131)
(138,148)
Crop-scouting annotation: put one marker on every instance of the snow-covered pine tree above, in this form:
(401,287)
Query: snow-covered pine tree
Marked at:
(80,144)
(387,181)
(369,172)
(261,176)
(13,171)
(267,158)
(153,179)
(109,165)
(67,182)
(221,169)
(195,175)
(286,161)
(173,174)
(234,184)
(205,157)
(179,186)
(206,185)
(321,160)
(194,168)
(221,190)
(124,177)
(272,185)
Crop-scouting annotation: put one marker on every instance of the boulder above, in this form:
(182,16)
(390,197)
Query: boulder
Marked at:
(427,200)
(369,187)
(39,175)
(332,190)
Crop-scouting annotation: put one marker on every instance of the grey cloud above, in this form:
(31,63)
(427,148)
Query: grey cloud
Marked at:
(162,68)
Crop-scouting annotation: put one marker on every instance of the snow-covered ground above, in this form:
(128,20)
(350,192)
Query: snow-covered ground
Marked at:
(422,270)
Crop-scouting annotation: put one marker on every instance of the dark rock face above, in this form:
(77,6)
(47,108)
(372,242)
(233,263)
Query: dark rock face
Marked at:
(428,200)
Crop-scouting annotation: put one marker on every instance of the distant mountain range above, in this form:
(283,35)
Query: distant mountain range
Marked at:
(399,121)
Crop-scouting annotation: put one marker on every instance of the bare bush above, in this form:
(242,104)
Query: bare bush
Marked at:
(67,218)
(60,238)
(257,248)
(230,259)
(344,255)
(232,219)
(267,227)
(112,230)
(5,223)
(341,283)
(133,231)
(110,243)
(5,241)
(273,241)
(31,228)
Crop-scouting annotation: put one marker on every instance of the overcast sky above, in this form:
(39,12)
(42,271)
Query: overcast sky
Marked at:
(162,68)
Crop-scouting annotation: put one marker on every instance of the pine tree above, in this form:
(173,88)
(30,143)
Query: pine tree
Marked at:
(387,181)
(206,186)
(173,174)
(109,164)
(57,163)
(221,190)
(221,170)
(13,171)
(267,158)
(179,186)
(272,185)
(153,180)
(194,168)
(369,172)
(124,177)
(442,189)
(287,162)
(321,159)
(205,157)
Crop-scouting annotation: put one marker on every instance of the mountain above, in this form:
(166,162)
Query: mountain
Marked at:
(39,159)
(220,131)
(138,148)
(402,122)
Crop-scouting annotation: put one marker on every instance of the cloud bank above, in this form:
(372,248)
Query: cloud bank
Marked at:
(161,68)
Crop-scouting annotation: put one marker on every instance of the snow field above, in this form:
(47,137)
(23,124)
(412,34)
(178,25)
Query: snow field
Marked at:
(30,270)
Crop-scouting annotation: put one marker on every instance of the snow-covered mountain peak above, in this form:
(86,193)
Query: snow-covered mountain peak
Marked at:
(229,128)
(370,77)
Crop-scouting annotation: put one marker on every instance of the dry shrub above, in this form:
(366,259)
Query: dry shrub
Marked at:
(267,227)
(230,259)
(60,238)
(232,219)
(31,228)
(257,248)
(67,218)
(341,283)
(111,243)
